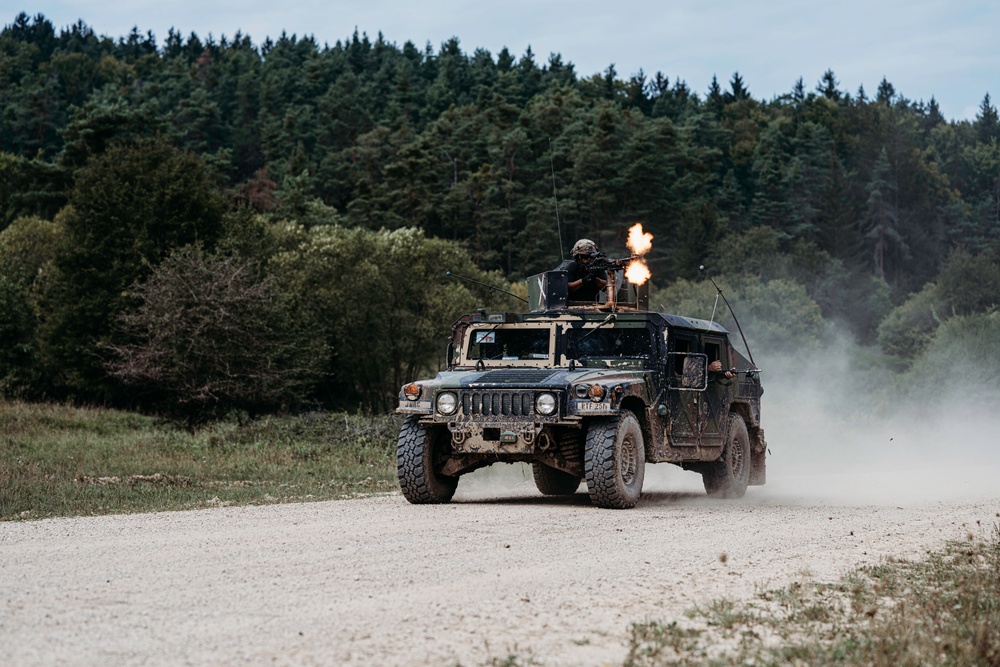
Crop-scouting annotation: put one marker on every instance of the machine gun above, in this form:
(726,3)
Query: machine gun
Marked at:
(601,262)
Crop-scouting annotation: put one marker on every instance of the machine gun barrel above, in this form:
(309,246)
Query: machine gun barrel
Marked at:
(750,372)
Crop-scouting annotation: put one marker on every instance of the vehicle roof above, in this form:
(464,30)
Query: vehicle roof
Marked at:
(675,321)
(693,323)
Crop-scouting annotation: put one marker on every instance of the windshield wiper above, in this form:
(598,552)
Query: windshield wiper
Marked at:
(612,317)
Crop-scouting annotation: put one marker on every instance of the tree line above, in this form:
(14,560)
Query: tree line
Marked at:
(322,191)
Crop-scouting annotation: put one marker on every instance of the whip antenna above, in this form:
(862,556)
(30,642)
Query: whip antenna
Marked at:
(719,291)
(492,288)
(552,165)
(715,307)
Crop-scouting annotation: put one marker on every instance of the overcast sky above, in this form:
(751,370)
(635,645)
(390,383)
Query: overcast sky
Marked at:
(948,50)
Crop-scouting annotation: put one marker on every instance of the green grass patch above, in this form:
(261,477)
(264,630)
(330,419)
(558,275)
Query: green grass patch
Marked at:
(58,460)
(942,610)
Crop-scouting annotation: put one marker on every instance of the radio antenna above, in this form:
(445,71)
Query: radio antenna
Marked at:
(552,165)
(492,288)
(719,293)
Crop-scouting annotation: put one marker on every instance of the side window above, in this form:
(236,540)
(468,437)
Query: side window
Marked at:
(682,346)
(713,350)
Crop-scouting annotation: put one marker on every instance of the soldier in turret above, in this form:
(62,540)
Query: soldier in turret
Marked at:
(584,282)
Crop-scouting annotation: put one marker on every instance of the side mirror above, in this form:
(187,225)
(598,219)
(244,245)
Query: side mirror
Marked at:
(449,354)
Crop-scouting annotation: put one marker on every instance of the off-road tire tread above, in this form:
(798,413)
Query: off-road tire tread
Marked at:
(601,469)
(414,465)
(718,478)
(553,482)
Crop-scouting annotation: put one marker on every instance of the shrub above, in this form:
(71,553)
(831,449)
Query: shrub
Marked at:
(969,283)
(29,247)
(908,328)
(962,356)
(213,334)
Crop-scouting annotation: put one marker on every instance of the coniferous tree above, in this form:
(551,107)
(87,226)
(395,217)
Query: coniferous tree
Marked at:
(714,101)
(737,89)
(932,116)
(827,86)
(886,93)
(799,91)
(881,218)
(987,122)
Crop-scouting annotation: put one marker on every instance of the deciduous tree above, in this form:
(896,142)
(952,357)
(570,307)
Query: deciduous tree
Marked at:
(131,207)
(212,334)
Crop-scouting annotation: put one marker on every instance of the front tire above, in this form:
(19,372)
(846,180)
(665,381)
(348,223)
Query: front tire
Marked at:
(614,461)
(728,477)
(553,482)
(417,453)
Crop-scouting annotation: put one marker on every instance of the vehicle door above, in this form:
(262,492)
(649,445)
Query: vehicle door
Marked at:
(687,381)
(716,397)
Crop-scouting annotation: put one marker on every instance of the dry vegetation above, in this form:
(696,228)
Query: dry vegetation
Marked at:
(943,610)
(59,460)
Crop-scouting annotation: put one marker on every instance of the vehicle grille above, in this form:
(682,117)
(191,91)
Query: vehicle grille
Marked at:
(498,403)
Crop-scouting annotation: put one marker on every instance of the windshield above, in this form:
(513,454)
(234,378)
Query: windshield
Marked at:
(499,344)
(615,343)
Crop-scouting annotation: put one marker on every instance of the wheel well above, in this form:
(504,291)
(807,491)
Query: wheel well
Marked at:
(638,408)
(743,411)
(753,430)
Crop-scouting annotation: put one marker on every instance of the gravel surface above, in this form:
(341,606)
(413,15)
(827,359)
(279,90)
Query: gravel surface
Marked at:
(376,581)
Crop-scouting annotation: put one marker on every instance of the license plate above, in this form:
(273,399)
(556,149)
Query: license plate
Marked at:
(593,407)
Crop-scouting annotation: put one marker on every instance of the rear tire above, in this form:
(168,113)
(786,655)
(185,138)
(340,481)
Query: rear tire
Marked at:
(614,461)
(417,452)
(553,482)
(728,477)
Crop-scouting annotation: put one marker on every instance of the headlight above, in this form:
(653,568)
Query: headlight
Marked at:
(412,391)
(596,393)
(446,403)
(545,404)
(581,390)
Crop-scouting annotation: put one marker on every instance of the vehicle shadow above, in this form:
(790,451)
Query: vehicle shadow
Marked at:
(577,499)
(581,499)
(672,497)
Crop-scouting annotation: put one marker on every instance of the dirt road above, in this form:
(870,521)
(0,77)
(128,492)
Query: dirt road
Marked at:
(377,581)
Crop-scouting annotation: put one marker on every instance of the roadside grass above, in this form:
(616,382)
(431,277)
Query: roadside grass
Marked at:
(942,610)
(58,460)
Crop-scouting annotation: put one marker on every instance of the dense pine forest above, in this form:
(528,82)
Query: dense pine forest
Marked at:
(199,226)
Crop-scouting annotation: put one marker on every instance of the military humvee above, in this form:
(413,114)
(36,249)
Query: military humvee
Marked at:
(588,391)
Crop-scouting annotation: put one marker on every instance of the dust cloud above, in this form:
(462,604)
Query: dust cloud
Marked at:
(841,430)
